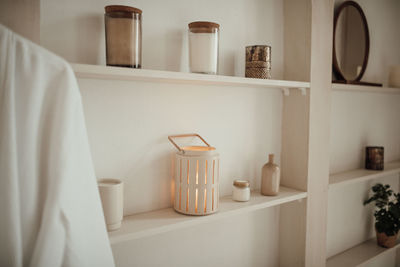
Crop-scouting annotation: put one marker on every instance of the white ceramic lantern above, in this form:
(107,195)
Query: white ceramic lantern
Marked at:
(196,178)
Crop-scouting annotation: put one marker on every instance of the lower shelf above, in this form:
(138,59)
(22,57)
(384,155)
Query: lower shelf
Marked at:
(160,221)
(359,254)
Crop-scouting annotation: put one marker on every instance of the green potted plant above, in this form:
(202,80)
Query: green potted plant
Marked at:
(387,214)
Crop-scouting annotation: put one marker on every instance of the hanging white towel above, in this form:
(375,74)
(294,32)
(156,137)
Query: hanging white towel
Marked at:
(50,209)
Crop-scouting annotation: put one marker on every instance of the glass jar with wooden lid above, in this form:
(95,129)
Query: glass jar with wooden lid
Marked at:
(123,25)
(241,190)
(203,47)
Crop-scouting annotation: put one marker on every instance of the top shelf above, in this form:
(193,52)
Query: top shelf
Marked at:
(128,74)
(364,89)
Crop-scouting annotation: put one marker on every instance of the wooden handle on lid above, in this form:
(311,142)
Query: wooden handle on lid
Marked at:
(185,135)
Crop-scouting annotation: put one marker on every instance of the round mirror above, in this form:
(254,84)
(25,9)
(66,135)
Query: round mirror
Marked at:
(350,42)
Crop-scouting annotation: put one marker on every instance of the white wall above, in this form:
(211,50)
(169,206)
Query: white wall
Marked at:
(128,124)
(358,120)
(244,240)
(349,221)
(75,30)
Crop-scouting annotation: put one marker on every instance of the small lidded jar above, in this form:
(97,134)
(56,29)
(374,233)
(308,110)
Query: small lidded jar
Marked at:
(241,190)
(203,47)
(123,26)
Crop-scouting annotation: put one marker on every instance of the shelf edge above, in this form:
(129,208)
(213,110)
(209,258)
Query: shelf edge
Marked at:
(364,89)
(117,73)
(374,175)
(204,219)
(354,248)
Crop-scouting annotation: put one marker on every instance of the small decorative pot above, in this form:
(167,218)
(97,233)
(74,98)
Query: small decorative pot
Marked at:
(386,241)
(258,61)
(374,158)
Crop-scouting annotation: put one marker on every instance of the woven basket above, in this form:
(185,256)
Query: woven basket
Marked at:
(260,73)
(258,62)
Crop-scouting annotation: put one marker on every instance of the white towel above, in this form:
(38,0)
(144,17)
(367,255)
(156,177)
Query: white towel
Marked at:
(50,209)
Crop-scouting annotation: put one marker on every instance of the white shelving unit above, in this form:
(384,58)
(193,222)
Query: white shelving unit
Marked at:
(364,89)
(359,175)
(364,250)
(359,255)
(156,222)
(116,73)
(151,223)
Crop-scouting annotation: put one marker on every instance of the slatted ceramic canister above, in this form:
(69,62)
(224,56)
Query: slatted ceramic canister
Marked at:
(196,178)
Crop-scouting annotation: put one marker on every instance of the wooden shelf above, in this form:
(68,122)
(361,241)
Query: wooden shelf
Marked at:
(360,254)
(364,89)
(160,221)
(360,175)
(128,74)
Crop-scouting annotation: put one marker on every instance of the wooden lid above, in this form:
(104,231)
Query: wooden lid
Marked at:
(119,8)
(203,24)
(241,183)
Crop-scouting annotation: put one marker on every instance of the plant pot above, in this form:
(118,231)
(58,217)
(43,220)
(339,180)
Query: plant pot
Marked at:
(386,241)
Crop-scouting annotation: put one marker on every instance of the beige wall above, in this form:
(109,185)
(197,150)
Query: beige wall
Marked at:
(22,16)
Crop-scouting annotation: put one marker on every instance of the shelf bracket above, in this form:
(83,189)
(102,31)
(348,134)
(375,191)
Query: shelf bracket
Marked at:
(285,91)
(303,91)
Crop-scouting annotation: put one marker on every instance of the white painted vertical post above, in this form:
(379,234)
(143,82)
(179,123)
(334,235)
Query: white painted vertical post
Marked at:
(295,131)
(318,159)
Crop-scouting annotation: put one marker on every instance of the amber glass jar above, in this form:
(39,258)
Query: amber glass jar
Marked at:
(123,26)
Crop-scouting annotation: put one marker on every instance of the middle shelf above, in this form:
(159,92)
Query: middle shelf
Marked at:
(164,220)
(360,175)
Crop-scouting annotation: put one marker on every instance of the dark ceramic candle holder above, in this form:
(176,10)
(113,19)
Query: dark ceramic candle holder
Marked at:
(374,158)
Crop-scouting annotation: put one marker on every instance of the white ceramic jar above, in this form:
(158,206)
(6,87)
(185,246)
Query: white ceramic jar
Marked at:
(203,47)
(241,190)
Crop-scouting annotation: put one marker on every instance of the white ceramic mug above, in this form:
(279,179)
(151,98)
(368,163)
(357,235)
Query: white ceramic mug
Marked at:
(112,199)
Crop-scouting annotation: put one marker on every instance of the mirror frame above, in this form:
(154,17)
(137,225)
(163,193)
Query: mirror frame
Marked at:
(336,68)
